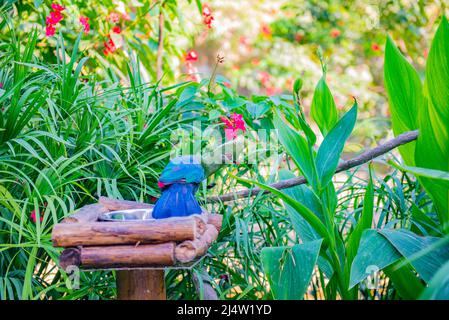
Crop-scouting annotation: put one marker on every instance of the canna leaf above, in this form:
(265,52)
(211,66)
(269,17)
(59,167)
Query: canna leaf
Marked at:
(298,148)
(405,96)
(438,288)
(332,146)
(432,146)
(289,269)
(323,110)
(375,253)
(301,193)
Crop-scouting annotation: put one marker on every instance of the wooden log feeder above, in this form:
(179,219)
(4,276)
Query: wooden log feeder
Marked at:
(139,249)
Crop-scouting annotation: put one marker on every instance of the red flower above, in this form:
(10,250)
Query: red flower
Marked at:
(232,125)
(255,61)
(207,14)
(335,33)
(114,17)
(33,216)
(191,56)
(55,17)
(50,30)
(161,185)
(208,21)
(266,30)
(116,29)
(375,47)
(298,37)
(109,47)
(57,7)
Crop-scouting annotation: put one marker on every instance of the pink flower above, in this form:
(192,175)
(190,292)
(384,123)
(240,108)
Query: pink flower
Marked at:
(264,77)
(232,125)
(85,22)
(161,185)
(114,17)
(116,29)
(270,91)
(191,56)
(50,30)
(57,7)
(1,85)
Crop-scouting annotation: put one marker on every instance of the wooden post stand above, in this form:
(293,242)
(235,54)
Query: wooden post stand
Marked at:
(138,250)
(140,285)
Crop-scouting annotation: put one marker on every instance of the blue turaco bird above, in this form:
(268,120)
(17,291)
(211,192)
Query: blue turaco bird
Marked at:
(179,182)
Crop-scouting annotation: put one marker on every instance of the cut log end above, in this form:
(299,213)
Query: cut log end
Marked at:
(70,257)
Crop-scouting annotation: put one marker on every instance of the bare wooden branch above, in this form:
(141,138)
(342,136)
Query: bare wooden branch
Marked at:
(87,213)
(366,156)
(110,233)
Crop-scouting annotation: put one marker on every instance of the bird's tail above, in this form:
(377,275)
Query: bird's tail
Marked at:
(177,200)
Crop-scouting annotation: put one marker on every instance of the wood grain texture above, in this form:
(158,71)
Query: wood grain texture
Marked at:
(87,213)
(187,251)
(111,233)
(152,255)
(116,204)
(140,285)
(216,220)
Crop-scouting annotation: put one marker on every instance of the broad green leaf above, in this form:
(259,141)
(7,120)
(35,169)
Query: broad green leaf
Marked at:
(323,110)
(289,269)
(426,145)
(332,146)
(432,147)
(297,147)
(437,71)
(422,252)
(405,96)
(375,253)
(438,288)
(405,280)
(301,194)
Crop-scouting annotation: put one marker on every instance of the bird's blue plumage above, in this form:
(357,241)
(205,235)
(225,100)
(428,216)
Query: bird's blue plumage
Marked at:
(179,182)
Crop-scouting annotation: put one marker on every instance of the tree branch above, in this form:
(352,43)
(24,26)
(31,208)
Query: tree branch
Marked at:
(366,156)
